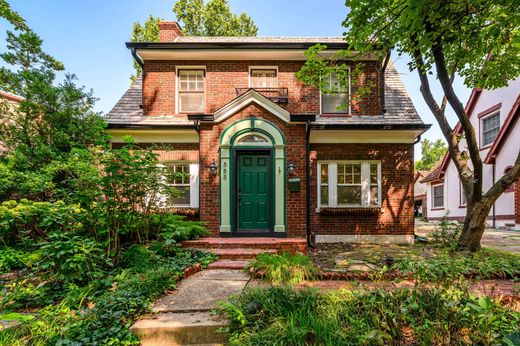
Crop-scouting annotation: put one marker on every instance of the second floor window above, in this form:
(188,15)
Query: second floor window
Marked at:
(264,78)
(490,128)
(191,91)
(335,99)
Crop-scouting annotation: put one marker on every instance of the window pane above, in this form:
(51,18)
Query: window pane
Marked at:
(252,139)
(191,80)
(324,174)
(181,196)
(331,102)
(373,174)
(490,128)
(349,195)
(374,196)
(324,195)
(191,102)
(264,78)
(438,196)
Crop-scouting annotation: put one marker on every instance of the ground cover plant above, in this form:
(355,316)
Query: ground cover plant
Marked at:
(426,316)
(283,268)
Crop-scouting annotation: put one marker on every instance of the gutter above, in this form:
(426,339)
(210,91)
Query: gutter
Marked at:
(235,45)
(310,241)
(136,57)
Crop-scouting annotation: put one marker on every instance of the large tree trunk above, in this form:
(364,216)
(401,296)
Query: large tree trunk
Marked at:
(474,225)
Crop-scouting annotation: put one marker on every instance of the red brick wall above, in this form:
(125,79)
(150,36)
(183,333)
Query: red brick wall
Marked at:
(397,189)
(517,202)
(209,184)
(222,77)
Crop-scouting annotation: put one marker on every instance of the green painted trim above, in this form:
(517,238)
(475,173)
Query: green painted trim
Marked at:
(233,125)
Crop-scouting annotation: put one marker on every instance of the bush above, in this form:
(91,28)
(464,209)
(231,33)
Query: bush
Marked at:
(283,268)
(427,316)
(11,259)
(446,233)
(483,264)
(26,221)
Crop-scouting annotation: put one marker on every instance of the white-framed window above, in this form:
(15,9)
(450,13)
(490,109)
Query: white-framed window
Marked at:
(349,184)
(490,127)
(438,196)
(462,196)
(186,183)
(335,96)
(191,90)
(263,77)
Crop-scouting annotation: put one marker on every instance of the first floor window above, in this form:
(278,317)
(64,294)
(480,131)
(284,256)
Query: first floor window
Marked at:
(184,181)
(463,199)
(438,196)
(490,128)
(349,184)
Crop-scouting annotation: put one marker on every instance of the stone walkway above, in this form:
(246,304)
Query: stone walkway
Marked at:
(184,316)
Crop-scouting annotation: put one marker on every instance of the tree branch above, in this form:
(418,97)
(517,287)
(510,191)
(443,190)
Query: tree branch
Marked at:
(503,183)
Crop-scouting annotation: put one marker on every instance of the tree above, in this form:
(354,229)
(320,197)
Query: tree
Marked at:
(431,153)
(48,134)
(197,18)
(478,40)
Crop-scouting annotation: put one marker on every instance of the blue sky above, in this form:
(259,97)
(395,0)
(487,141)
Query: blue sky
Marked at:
(88,37)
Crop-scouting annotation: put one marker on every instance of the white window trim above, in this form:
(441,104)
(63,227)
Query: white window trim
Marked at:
(365,184)
(481,128)
(263,68)
(349,96)
(194,183)
(433,196)
(189,67)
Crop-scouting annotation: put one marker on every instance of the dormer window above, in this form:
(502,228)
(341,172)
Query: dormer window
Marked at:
(335,97)
(191,90)
(263,77)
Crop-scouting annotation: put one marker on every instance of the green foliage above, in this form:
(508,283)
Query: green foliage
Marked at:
(147,32)
(448,266)
(283,268)
(431,153)
(72,258)
(428,316)
(26,221)
(11,259)
(197,18)
(446,233)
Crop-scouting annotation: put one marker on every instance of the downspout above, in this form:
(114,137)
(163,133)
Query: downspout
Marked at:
(494,216)
(310,241)
(137,58)
(382,86)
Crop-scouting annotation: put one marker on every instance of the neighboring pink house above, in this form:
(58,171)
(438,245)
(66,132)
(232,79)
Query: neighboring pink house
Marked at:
(494,115)
(11,101)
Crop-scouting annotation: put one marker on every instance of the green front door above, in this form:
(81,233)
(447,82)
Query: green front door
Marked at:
(254,192)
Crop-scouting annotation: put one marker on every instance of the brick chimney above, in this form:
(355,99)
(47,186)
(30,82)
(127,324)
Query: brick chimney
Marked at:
(169,31)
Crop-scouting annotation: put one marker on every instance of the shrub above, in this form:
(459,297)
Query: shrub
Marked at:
(283,268)
(26,221)
(427,316)
(11,259)
(73,258)
(446,233)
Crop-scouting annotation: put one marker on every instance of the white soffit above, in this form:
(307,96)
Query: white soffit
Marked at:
(230,54)
(363,136)
(154,136)
(247,99)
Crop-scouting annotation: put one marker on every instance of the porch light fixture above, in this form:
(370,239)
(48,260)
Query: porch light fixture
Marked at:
(213,168)
(291,167)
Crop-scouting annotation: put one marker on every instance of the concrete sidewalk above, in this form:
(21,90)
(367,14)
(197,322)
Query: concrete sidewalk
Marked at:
(184,317)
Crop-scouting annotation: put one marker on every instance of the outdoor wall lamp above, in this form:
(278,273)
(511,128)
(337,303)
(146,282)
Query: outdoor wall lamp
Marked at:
(291,168)
(213,168)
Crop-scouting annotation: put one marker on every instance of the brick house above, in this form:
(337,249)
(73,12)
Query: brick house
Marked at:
(266,154)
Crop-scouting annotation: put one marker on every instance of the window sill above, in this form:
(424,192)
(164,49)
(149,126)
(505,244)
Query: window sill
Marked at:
(349,211)
(441,208)
(335,115)
(462,206)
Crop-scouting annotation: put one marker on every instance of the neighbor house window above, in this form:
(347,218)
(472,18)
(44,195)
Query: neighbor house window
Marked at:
(185,183)
(191,91)
(264,78)
(490,127)
(349,184)
(438,196)
(335,97)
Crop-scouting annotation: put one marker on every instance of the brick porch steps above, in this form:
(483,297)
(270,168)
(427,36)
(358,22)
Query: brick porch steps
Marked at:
(235,252)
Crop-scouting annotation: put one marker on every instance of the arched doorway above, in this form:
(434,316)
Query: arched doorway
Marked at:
(252,179)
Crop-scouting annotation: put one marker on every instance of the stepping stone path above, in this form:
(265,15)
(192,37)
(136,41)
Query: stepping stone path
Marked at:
(184,317)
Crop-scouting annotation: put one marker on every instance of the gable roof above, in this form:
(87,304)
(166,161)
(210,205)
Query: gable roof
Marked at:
(246,99)
(433,174)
